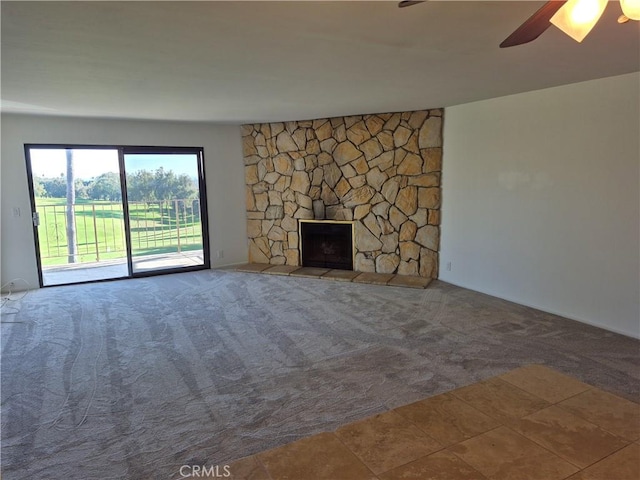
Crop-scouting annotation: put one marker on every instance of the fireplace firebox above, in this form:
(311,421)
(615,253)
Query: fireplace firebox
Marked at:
(326,244)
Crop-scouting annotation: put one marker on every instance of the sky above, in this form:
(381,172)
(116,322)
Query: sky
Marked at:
(90,163)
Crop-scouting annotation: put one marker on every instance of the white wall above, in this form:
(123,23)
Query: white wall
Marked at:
(541,200)
(224,171)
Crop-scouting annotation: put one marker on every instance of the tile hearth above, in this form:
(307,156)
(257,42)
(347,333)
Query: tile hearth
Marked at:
(340,275)
(532,423)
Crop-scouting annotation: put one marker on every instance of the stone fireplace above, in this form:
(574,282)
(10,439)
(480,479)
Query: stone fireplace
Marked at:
(381,172)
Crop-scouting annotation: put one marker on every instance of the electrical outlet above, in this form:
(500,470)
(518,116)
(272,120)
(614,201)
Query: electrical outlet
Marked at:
(448,266)
(220,254)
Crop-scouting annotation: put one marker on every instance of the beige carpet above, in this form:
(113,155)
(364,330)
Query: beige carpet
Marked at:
(133,379)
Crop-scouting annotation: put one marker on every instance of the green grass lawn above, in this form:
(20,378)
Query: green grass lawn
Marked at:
(100,229)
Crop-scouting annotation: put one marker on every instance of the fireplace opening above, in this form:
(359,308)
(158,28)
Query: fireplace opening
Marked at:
(326,244)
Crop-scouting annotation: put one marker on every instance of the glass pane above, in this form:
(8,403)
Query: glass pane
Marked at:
(164,211)
(78,199)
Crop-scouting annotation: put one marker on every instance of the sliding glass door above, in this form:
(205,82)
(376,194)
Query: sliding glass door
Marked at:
(78,214)
(165,220)
(103,212)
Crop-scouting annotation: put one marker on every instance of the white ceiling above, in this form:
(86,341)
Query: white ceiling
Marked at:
(239,62)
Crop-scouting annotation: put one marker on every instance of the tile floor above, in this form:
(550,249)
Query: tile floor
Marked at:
(532,423)
(340,275)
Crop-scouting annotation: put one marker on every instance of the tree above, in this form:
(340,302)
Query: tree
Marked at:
(140,186)
(39,190)
(106,187)
(185,188)
(55,187)
(82,188)
(71,200)
(159,186)
(163,184)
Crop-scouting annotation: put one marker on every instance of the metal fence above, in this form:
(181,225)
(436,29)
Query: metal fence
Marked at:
(156,227)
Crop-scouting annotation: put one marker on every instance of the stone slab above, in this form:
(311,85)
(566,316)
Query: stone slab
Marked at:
(374,278)
(336,274)
(409,281)
(281,269)
(252,267)
(341,275)
(311,272)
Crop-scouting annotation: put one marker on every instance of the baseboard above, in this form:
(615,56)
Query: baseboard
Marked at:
(634,335)
(227,265)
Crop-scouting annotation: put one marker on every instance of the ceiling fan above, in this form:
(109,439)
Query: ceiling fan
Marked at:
(576,18)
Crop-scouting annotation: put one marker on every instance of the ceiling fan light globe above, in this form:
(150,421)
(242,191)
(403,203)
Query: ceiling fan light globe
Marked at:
(576,18)
(631,9)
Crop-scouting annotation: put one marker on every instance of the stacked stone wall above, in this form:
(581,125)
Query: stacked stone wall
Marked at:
(381,171)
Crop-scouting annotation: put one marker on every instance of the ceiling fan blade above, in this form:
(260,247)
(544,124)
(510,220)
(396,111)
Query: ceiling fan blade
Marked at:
(408,3)
(535,25)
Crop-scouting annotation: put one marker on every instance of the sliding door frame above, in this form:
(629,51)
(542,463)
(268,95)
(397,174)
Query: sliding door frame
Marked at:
(122,150)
